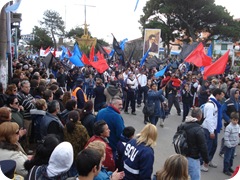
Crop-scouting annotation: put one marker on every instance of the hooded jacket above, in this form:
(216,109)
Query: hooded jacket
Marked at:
(230,105)
(110,92)
(58,166)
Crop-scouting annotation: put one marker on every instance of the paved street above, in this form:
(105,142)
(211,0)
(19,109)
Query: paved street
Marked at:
(165,148)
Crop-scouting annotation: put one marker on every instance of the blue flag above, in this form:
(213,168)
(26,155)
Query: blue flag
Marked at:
(122,44)
(144,58)
(64,52)
(76,60)
(14,7)
(77,51)
(77,55)
(209,52)
(161,72)
(136,5)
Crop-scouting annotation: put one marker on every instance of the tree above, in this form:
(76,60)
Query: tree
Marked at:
(53,24)
(77,32)
(189,18)
(41,38)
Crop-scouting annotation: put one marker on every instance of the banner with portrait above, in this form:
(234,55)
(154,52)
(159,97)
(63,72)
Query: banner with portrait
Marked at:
(152,38)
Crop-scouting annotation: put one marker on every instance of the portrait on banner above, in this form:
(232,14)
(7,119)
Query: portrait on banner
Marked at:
(152,39)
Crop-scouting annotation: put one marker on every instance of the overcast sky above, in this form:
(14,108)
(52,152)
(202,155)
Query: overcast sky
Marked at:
(108,16)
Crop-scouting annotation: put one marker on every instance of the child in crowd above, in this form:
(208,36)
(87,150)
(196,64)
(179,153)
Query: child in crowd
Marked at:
(231,140)
(176,82)
(127,135)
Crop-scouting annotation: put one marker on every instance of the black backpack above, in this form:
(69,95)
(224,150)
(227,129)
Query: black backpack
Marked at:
(180,139)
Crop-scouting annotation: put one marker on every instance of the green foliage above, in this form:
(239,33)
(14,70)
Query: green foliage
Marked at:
(53,24)
(190,17)
(76,32)
(41,38)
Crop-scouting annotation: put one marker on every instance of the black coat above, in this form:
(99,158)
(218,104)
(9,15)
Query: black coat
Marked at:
(196,142)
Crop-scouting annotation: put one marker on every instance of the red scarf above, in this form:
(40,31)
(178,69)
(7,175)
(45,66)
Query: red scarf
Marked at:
(115,109)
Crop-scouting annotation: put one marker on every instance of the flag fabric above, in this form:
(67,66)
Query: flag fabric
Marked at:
(209,52)
(76,57)
(187,49)
(91,55)
(122,44)
(144,58)
(77,51)
(99,55)
(136,5)
(54,52)
(76,60)
(69,53)
(100,65)
(218,67)
(118,50)
(85,59)
(111,53)
(117,47)
(48,60)
(102,50)
(161,72)
(198,57)
(14,7)
(47,50)
(64,52)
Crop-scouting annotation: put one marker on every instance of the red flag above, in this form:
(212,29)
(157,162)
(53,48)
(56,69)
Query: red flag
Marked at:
(69,53)
(218,67)
(91,55)
(54,52)
(47,50)
(100,55)
(100,65)
(85,59)
(198,57)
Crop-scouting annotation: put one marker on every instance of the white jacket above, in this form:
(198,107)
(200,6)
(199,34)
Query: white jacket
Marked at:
(211,116)
(17,156)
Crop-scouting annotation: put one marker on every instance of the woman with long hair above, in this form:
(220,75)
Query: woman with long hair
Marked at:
(175,167)
(98,93)
(139,155)
(43,151)
(10,148)
(11,90)
(75,132)
(87,117)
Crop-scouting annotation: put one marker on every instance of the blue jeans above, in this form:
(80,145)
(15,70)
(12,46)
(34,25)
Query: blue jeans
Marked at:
(153,119)
(186,108)
(194,168)
(211,143)
(228,158)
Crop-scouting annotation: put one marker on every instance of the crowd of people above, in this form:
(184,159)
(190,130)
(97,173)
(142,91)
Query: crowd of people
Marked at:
(66,123)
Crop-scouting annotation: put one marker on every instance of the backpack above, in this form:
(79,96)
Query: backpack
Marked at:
(202,109)
(180,139)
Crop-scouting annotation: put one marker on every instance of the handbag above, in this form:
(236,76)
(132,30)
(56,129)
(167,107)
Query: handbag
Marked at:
(148,109)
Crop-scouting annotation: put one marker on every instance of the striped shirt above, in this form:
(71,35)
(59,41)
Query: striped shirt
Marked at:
(26,100)
(231,135)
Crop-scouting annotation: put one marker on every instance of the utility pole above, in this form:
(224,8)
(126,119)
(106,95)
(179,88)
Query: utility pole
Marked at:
(3,46)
